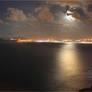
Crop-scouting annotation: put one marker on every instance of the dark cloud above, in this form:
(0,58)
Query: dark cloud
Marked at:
(80,14)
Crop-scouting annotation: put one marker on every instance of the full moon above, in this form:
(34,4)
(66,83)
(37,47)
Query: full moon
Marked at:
(70,18)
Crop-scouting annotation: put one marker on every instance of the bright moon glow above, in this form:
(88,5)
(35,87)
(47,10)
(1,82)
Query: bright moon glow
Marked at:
(69,12)
(70,18)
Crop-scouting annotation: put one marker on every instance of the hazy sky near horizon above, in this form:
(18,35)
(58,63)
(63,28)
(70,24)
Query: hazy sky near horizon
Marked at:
(43,19)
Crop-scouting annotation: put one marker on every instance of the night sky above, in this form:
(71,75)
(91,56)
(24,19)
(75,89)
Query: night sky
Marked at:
(43,19)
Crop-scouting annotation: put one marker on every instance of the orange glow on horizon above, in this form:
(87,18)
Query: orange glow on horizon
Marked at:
(23,40)
(39,41)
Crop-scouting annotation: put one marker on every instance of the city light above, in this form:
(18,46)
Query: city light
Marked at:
(85,40)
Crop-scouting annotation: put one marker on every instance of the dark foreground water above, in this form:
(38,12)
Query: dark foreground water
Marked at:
(45,66)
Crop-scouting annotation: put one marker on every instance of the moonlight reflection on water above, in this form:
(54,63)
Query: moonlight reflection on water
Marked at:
(70,67)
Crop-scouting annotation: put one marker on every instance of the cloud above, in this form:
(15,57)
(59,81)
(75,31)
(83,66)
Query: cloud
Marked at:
(83,4)
(57,26)
(83,16)
(38,9)
(44,14)
(47,13)
(77,16)
(80,14)
(16,15)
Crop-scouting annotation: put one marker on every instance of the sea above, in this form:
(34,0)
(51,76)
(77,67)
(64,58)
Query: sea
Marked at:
(45,67)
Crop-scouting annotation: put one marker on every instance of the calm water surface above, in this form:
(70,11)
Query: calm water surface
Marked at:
(45,66)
